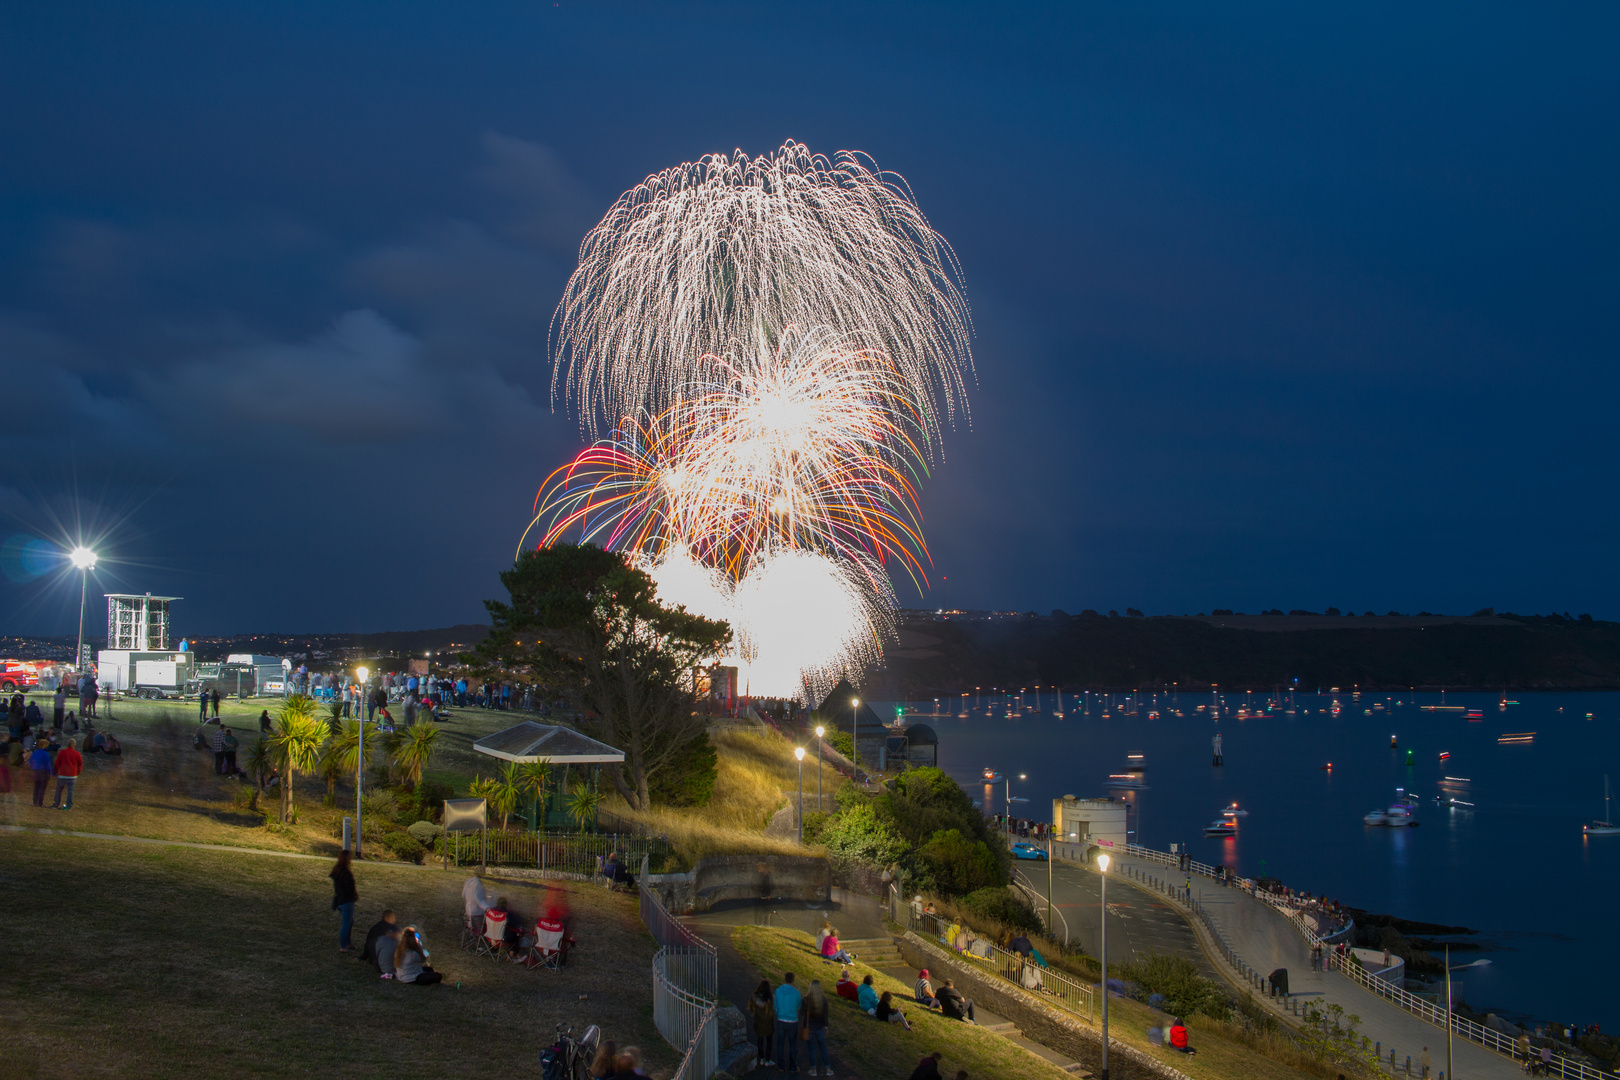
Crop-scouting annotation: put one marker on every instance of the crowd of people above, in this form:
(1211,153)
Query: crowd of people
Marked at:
(55,751)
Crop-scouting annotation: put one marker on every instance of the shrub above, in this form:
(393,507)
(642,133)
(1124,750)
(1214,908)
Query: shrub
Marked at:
(404,846)
(814,823)
(1005,906)
(425,832)
(427,801)
(380,804)
(1176,978)
(842,742)
(687,779)
(859,834)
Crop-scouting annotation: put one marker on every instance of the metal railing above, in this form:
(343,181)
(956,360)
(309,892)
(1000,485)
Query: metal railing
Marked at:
(1065,991)
(576,855)
(686,978)
(1347,964)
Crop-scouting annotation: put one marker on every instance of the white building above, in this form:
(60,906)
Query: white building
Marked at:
(1089,820)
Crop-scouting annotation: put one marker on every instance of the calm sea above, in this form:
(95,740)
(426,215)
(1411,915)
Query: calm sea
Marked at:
(1514,867)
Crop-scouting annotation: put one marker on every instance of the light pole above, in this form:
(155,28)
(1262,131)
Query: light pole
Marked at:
(1450,1068)
(84,561)
(821,733)
(798,752)
(359,762)
(1007,803)
(854,733)
(1102,865)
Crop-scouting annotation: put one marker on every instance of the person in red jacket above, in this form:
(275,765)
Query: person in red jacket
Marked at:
(1178,1038)
(69,763)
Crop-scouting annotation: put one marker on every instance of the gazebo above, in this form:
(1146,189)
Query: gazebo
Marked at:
(565,747)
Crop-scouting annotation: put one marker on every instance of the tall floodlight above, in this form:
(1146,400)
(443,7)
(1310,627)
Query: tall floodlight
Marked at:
(361,674)
(1102,956)
(84,561)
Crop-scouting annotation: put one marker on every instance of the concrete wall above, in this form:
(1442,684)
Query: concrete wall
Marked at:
(718,878)
(1098,819)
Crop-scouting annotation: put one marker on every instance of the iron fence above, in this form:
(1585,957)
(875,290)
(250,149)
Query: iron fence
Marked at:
(571,854)
(1063,990)
(686,979)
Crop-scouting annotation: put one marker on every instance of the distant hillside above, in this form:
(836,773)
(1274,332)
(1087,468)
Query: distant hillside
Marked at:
(1090,650)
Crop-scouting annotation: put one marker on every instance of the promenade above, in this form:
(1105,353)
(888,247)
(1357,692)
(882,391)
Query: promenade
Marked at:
(1266,940)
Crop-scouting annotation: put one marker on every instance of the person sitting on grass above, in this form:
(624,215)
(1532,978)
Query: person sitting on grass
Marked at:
(845,987)
(1178,1038)
(384,948)
(925,991)
(953,1004)
(378,929)
(867,997)
(831,950)
(889,1013)
(410,960)
(928,1067)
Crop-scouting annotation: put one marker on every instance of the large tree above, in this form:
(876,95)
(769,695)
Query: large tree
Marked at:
(588,626)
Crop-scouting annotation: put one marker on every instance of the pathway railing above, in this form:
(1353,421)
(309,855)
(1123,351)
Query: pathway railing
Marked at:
(686,978)
(1347,965)
(1064,990)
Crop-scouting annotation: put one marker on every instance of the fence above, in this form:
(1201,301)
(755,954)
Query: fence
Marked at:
(686,979)
(574,855)
(1347,964)
(1064,990)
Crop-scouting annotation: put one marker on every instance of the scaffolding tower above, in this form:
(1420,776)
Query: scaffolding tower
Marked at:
(137,623)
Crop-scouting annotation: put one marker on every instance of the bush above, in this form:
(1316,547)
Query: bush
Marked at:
(814,822)
(842,742)
(404,846)
(426,803)
(1176,978)
(1005,906)
(958,865)
(425,832)
(687,779)
(859,834)
(380,804)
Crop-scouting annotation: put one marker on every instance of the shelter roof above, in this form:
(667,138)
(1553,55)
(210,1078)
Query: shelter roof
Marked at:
(921,735)
(530,741)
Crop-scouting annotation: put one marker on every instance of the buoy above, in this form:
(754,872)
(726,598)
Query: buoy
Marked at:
(1328,766)
(1409,757)
(1392,742)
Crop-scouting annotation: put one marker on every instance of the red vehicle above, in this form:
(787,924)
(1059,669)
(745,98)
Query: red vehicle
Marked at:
(19,674)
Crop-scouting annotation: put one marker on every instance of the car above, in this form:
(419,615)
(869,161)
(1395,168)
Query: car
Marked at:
(1028,851)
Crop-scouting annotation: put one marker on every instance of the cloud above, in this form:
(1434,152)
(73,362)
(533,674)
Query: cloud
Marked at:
(548,205)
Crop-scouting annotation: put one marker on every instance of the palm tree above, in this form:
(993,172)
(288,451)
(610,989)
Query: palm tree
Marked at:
(340,757)
(534,777)
(295,744)
(411,750)
(582,803)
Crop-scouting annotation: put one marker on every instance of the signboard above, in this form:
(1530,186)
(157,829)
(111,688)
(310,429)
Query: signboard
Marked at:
(464,815)
(417,667)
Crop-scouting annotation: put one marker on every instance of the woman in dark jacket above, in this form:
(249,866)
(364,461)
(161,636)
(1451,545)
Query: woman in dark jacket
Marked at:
(344,896)
(763,1008)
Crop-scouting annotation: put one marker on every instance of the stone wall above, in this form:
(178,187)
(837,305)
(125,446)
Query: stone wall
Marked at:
(1036,1018)
(718,878)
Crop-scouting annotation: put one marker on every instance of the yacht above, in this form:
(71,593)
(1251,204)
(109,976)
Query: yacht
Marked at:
(1376,817)
(1233,811)
(990,776)
(1604,827)
(1223,827)
(1129,781)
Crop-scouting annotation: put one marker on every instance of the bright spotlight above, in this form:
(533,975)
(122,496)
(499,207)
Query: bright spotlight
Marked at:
(82,558)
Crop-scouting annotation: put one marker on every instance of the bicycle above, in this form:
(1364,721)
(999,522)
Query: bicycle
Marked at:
(570,1059)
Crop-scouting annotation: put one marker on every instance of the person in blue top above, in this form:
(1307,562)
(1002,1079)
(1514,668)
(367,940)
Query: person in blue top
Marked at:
(40,761)
(867,996)
(787,1024)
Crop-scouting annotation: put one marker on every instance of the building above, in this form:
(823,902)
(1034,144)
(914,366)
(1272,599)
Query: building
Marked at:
(1089,820)
(137,657)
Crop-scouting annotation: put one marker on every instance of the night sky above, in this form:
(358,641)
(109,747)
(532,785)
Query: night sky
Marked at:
(1275,306)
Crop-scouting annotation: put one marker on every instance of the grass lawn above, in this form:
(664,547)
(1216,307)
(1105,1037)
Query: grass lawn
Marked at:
(134,960)
(870,1049)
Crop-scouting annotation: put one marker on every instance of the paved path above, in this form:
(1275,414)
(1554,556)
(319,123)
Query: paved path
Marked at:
(1266,940)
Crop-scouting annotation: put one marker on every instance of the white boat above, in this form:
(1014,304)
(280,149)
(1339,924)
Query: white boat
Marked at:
(991,776)
(1126,781)
(1603,827)
(1376,817)
(1397,815)
(1233,811)
(1223,827)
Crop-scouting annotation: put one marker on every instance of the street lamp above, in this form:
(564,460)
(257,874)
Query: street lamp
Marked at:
(854,733)
(359,761)
(821,733)
(84,561)
(798,752)
(1102,865)
(1007,802)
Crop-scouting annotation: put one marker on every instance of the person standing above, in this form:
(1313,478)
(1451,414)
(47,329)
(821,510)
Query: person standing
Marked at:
(39,760)
(763,1011)
(215,700)
(202,705)
(787,1024)
(230,744)
(219,751)
(814,1011)
(264,721)
(58,706)
(1423,1064)
(344,896)
(69,764)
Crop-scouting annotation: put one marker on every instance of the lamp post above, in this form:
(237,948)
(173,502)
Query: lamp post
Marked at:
(359,761)
(1450,1068)
(84,561)
(821,733)
(1102,865)
(798,752)
(1007,803)
(854,733)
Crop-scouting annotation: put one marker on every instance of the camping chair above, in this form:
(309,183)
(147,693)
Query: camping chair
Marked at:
(550,939)
(471,931)
(492,942)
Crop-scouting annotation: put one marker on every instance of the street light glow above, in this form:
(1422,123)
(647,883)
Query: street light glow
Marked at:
(361,673)
(798,752)
(820,731)
(82,558)
(1102,863)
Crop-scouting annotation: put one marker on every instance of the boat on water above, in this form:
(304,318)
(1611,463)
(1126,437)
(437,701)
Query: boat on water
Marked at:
(1128,781)
(1234,811)
(1605,826)
(1223,827)
(1396,814)
(1135,763)
(990,776)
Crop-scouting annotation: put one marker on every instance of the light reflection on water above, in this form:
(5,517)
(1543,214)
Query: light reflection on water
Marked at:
(1515,867)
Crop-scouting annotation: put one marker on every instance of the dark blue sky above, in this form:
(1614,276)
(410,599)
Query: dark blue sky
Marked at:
(1275,305)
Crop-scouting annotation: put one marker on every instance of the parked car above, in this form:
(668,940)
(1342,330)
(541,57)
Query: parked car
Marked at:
(1028,851)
